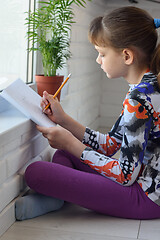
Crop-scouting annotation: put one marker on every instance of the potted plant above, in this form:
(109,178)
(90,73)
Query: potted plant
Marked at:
(48,32)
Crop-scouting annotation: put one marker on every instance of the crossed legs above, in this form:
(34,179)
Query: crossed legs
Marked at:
(67,178)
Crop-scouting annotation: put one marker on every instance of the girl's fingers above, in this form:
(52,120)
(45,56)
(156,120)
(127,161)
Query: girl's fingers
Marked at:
(43,103)
(43,130)
(45,98)
(44,135)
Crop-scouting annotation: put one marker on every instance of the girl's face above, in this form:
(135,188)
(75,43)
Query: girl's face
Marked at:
(111,61)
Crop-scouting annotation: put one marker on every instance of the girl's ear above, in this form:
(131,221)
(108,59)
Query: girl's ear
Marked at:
(128,56)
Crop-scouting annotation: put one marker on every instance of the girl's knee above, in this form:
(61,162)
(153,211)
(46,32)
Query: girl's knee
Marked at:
(33,173)
(63,158)
(58,154)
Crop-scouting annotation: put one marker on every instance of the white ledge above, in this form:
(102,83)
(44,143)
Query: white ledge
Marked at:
(10,119)
(12,125)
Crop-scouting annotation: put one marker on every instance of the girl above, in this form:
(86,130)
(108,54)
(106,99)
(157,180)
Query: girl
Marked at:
(83,170)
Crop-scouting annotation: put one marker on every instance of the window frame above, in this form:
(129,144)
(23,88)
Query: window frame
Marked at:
(30,54)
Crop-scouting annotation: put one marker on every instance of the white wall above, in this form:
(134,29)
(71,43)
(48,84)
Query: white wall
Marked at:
(20,144)
(84,88)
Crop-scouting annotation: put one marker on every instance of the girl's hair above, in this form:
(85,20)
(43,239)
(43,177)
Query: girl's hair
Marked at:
(128,27)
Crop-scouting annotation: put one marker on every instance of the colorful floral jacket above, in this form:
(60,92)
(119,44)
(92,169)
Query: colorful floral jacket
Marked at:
(137,134)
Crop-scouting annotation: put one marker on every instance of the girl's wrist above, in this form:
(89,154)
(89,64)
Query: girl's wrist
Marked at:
(75,147)
(63,121)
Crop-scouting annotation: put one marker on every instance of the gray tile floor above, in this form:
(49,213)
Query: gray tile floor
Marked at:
(76,223)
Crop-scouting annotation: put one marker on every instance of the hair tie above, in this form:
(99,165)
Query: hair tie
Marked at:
(157,22)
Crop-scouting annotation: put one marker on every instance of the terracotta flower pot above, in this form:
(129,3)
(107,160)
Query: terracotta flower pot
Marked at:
(49,84)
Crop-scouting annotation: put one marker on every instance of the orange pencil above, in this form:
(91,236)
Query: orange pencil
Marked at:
(59,89)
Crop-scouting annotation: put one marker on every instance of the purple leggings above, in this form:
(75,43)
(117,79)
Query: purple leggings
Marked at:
(69,179)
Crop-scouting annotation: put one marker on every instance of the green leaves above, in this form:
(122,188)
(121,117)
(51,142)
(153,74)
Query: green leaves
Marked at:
(48,31)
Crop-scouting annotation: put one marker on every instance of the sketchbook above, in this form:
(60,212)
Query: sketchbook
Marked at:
(26,100)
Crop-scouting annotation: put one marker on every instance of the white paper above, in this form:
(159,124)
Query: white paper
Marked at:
(27,101)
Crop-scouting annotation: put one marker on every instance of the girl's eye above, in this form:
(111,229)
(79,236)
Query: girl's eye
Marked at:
(101,55)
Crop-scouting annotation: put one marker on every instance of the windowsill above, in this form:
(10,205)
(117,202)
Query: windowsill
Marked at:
(10,119)
(13,126)
(13,122)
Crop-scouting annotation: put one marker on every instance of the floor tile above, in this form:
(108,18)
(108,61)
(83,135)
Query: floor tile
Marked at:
(29,233)
(150,229)
(74,219)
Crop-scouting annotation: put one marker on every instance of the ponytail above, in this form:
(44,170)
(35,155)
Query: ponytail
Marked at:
(155,61)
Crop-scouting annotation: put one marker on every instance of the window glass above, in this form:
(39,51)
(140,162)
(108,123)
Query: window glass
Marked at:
(13,41)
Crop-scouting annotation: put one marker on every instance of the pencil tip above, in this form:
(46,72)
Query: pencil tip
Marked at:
(69,75)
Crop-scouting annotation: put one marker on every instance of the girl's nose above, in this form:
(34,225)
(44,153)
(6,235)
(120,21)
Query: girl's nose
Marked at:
(98,60)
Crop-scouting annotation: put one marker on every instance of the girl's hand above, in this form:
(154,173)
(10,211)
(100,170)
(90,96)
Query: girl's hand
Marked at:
(55,112)
(60,138)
